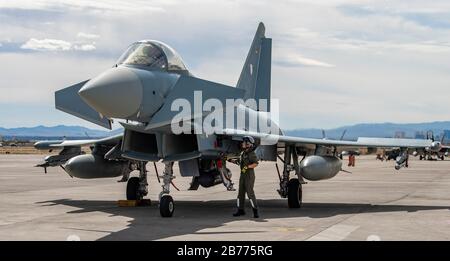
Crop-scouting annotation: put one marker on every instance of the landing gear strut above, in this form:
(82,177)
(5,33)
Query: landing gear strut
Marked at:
(137,186)
(291,188)
(166,203)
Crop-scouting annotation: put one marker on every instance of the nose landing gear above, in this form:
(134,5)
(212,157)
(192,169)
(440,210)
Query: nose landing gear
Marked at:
(166,206)
(166,203)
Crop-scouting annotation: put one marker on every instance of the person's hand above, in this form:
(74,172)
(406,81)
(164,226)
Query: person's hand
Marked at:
(234,161)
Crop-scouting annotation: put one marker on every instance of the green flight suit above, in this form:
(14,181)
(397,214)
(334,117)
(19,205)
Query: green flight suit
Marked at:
(247,179)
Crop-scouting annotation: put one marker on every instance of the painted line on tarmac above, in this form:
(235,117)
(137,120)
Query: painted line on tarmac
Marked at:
(334,233)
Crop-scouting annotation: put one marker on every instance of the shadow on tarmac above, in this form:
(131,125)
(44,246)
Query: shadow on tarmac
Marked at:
(191,217)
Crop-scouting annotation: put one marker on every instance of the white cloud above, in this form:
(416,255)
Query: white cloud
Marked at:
(84,47)
(32,78)
(426,47)
(47,45)
(85,5)
(87,35)
(359,42)
(295,60)
(56,45)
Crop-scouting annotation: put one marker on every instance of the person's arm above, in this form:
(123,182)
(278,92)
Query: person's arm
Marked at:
(252,166)
(234,161)
(253,161)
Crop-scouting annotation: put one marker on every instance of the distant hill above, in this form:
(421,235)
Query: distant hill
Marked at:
(387,130)
(55,131)
(353,131)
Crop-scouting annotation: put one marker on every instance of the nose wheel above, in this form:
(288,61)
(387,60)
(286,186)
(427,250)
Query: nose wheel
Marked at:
(166,206)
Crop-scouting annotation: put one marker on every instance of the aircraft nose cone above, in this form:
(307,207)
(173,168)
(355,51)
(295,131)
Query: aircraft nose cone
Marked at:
(116,93)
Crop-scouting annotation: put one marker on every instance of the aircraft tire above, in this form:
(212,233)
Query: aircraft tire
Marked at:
(132,188)
(166,206)
(294,193)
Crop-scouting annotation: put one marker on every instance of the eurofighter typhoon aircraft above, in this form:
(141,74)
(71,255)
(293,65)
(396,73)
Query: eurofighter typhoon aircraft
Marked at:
(437,149)
(169,115)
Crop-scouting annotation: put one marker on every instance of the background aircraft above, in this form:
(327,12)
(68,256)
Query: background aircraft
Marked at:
(437,149)
(141,89)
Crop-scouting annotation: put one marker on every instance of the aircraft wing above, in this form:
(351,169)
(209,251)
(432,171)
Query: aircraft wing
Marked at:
(394,142)
(72,143)
(72,148)
(361,142)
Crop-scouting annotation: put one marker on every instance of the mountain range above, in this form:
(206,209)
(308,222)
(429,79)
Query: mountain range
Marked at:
(352,131)
(383,130)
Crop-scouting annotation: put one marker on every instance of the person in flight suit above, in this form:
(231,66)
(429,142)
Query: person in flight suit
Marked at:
(247,162)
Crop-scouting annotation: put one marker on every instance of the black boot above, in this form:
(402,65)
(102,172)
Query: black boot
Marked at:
(239,212)
(255,213)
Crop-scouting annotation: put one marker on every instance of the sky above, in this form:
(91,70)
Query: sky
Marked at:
(335,63)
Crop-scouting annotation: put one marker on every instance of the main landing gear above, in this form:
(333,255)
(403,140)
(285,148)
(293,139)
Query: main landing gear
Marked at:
(294,193)
(291,188)
(137,186)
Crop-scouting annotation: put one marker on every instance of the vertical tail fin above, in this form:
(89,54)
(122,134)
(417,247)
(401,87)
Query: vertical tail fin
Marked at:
(256,73)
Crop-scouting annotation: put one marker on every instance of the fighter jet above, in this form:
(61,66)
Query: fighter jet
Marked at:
(437,149)
(153,95)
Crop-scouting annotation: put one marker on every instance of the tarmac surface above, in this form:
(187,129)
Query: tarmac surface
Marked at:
(374,202)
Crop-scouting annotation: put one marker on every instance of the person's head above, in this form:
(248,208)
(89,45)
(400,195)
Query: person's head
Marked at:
(247,143)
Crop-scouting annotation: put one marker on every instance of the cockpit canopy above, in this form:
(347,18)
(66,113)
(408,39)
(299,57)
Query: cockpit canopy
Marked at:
(153,55)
